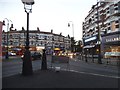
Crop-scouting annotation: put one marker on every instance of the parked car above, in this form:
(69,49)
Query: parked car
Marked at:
(11,53)
(34,56)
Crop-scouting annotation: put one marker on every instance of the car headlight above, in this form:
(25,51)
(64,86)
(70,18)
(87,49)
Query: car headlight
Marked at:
(22,56)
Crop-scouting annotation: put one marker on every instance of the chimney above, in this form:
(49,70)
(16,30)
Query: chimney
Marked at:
(51,30)
(38,29)
(60,33)
(23,29)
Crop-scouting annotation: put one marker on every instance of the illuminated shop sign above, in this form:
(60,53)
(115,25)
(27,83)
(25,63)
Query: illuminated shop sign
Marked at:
(113,39)
(90,39)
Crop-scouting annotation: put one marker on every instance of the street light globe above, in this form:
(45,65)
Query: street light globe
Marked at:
(28,5)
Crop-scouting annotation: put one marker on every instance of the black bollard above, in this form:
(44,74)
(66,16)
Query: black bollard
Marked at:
(44,61)
(27,64)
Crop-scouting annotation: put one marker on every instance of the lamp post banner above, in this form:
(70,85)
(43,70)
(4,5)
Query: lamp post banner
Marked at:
(1,54)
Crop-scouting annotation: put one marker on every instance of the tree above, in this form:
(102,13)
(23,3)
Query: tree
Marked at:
(78,46)
(73,42)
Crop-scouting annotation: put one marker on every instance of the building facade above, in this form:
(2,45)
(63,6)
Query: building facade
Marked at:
(1,40)
(103,18)
(38,40)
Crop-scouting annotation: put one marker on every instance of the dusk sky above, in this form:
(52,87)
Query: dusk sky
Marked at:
(48,14)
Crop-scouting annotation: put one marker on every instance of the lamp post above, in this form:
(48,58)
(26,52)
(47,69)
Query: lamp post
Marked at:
(72,33)
(27,63)
(72,27)
(7,55)
(99,37)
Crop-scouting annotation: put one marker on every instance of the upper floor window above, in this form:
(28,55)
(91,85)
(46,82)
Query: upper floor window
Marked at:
(116,21)
(117,26)
(108,11)
(108,28)
(116,8)
(108,8)
(115,5)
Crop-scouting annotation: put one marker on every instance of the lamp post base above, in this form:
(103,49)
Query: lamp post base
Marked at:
(27,63)
(44,61)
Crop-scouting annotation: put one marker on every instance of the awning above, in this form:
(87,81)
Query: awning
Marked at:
(56,48)
(89,46)
(112,54)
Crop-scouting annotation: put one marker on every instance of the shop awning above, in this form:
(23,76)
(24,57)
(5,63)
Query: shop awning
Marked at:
(89,46)
(112,54)
(56,48)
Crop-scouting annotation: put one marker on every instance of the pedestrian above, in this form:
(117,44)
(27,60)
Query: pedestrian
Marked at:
(44,61)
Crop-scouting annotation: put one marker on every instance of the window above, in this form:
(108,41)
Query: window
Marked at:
(108,23)
(115,5)
(117,26)
(108,28)
(116,21)
(108,12)
(116,8)
(108,8)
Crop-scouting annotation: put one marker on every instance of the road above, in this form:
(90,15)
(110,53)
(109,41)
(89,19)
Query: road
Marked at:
(85,74)
(15,66)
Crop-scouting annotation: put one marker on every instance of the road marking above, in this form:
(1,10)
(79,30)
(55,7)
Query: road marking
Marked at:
(92,74)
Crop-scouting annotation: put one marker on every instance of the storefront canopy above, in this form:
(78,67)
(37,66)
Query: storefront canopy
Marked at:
(56,48)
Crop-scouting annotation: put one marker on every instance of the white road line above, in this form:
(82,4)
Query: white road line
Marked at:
(92,74)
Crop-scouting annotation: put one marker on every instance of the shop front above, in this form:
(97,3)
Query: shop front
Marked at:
(90,45)
(111,46)
(90,49)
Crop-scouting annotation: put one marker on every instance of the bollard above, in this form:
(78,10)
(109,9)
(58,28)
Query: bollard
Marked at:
(27,64)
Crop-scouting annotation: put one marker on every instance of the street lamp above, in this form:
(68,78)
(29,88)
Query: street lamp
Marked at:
(72,27)
(72,44)
(99,37)
(27,63)
(7,55)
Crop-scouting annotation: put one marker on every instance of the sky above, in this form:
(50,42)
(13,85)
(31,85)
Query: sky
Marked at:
(47,15)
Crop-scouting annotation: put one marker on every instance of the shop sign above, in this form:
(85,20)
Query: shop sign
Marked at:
(113,39)
(90,39)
